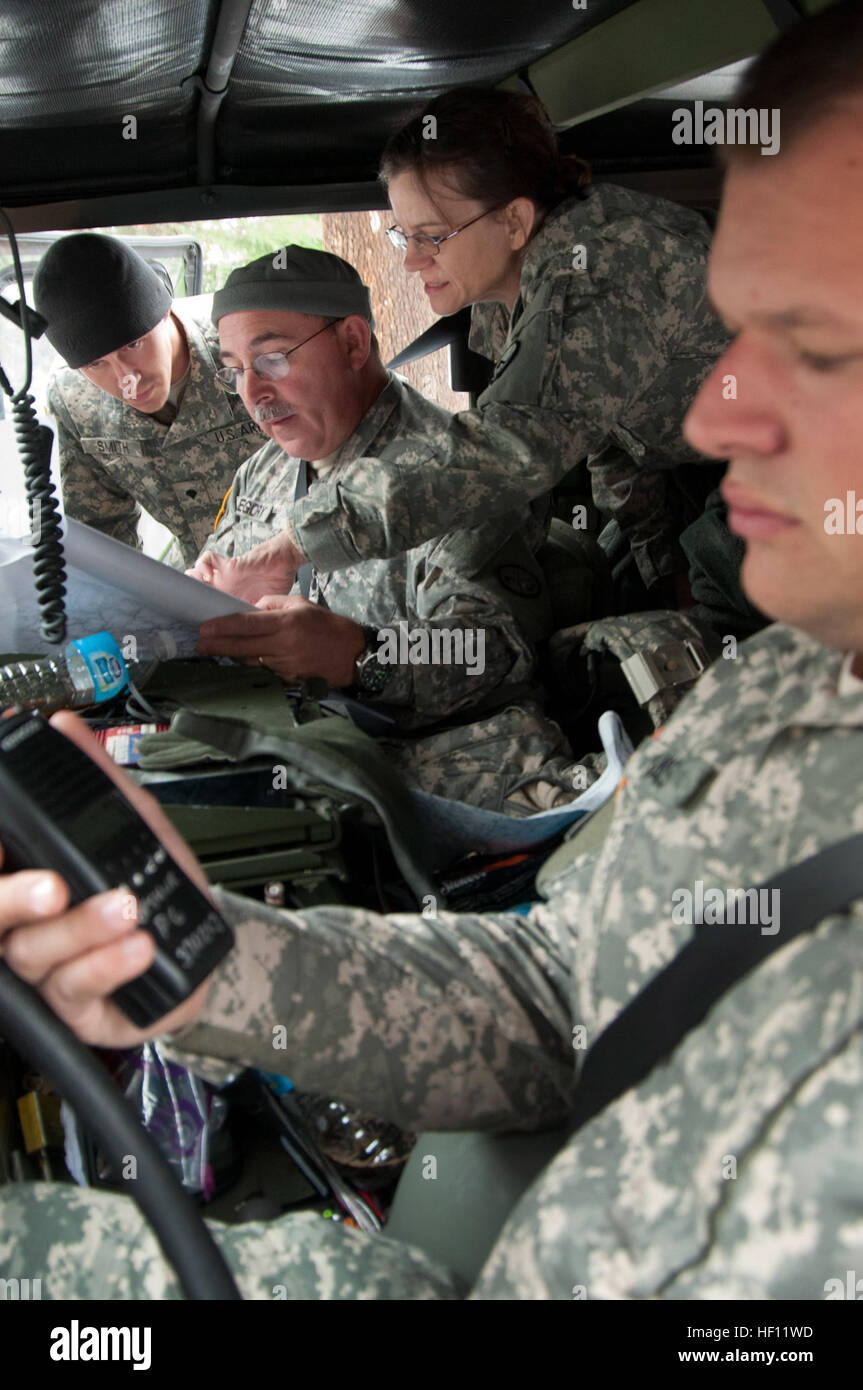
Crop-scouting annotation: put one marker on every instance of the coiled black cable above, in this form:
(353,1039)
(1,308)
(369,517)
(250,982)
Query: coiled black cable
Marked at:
(49,566)
(34,446)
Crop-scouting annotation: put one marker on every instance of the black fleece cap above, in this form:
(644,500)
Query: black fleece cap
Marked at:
(97,295)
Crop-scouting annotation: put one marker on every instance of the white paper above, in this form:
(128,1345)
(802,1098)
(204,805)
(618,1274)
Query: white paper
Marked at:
(109,587)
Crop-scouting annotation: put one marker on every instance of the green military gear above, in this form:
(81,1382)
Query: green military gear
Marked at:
(293,851)
(607,344)
(207,688)
(329,755)
(115,459)
(649,660)
(301,769)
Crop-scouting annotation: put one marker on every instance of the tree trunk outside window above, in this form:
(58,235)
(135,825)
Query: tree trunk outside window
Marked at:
(400,305)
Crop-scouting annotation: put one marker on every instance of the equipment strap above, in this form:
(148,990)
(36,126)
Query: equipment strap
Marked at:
(334,754)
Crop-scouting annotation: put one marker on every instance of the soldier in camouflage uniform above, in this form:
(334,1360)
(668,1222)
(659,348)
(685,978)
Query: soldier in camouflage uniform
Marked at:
(467,1022)
(638,338)
(732,1170)
(457,582)
(173,450)
(479,593)
(601,333)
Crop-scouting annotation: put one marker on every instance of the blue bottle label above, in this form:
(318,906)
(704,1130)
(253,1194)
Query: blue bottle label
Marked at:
(104,661)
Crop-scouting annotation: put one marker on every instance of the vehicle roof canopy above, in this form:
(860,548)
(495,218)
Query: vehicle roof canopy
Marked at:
(264,105)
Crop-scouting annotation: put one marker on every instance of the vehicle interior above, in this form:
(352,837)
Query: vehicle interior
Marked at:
(115,113)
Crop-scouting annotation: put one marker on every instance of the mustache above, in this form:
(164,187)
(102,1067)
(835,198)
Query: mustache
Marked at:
(263,413)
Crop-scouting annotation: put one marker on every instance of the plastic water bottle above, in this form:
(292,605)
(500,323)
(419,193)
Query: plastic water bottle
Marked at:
(90,671)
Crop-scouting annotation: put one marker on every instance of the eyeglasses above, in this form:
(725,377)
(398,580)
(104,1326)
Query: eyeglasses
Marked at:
(431,245)
(270,366)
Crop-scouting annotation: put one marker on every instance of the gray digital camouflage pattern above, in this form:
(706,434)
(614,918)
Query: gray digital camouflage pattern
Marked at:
(731,1172)
(485,580)
(601,362)
(516,761)
(466,581)
(91,1244)
(114,459)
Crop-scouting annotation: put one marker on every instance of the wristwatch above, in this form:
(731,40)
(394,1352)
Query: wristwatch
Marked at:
(370,675)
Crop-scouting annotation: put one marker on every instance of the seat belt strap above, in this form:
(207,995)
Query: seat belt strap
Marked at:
(649,1028)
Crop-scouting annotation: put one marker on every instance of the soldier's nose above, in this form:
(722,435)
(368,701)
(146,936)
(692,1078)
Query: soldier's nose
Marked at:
(414,259)
(253,390)
(721,425)
(128,382)
(737,409)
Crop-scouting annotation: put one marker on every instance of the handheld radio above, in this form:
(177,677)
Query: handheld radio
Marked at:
(59,811)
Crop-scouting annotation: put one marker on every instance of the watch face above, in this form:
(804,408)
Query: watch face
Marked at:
(371,675)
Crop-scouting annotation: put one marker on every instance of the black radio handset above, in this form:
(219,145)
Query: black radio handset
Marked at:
(59,811)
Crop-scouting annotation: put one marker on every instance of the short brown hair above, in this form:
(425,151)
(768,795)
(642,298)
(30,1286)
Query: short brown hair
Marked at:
(806,73)
(490,145)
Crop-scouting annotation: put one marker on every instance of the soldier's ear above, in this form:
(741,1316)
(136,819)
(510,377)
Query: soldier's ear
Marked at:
(519,219)
(356,337)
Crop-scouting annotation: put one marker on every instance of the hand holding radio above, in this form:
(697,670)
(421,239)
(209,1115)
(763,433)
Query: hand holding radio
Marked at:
(153,939)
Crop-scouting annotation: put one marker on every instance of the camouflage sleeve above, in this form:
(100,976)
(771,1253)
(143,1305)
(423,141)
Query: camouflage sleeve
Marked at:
(437,1022)
(579,365)
(487,462)
(613,352)
(89,494)
(468,639)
